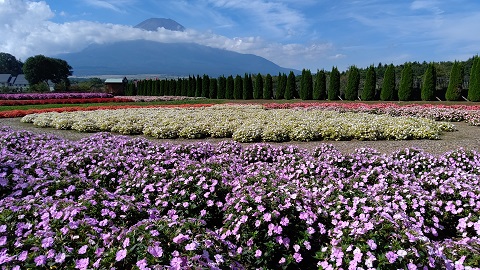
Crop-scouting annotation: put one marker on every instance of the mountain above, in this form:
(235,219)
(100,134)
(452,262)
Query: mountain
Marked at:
(153,24)
(174,59)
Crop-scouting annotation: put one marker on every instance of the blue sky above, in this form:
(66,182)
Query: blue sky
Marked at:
(313,34)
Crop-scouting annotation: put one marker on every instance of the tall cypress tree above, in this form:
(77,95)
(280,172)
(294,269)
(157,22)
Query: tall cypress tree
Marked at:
(368,92)
(474,84)
(268,87)
(247,87)
(429,83)
(291,85)
(388,86)
(206,86)
(455,84)
(334,84)
(198,87)
(222,86)
(353,83)
(258,90)
(405,91)
(281,86)
(191,86)
(320,88)
(306,85)
(238,87)
(230,87)
(213,88)
(163,86)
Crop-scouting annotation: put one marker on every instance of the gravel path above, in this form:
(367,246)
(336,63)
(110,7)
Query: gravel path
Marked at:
(467,137)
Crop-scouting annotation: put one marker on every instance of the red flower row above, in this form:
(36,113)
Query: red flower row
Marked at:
(363,105)
(61,101)
(21,113)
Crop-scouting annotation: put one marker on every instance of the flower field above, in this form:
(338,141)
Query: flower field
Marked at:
(246,123)
(114,202)
(19,102)
(40,96)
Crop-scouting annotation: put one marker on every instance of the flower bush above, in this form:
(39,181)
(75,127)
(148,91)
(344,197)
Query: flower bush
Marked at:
(18,102)
(246,124)
(120,203)
(40,96)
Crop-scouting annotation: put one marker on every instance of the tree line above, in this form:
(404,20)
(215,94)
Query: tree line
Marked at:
(384,82)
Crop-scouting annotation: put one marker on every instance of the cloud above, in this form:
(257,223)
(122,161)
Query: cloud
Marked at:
(115,5)
(33,33)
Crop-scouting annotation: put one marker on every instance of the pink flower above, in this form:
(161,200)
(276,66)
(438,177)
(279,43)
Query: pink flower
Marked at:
(298,257)
(258,253)
(83,249)
(121,254)
(82,264)
(156,251)
(60,258)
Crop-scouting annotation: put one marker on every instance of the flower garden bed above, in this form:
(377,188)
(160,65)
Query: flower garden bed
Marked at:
(247,123)
(19,102)
(110,201)
(39,96)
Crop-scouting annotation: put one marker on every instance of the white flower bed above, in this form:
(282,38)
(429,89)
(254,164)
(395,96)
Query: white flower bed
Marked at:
(245,123)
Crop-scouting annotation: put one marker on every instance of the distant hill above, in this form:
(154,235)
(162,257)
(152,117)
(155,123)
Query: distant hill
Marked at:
(153,24)
(174,59)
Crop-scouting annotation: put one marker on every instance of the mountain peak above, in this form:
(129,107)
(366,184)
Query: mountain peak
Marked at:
(153,24)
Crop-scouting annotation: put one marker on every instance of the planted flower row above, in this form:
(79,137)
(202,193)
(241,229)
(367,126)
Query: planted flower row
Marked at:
(245,124)
(19,102)
(112,202)
(452,113)
(34,96)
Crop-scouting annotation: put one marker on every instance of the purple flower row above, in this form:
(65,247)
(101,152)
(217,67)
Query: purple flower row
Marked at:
(115,202)
(35,96)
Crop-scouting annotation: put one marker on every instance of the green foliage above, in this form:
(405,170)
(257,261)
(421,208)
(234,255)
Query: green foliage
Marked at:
(281,86)
(306,85)
(205,86)
(320,88)
(40,87)
(290,89)
(405,91)
(369,87)
(230,87)
(222,86)
(351,93)
(474,84)
(247,87)
(268,88)
(238,87)
(258,90)
(191,86)
(334,84)
(213,88)
(455,84)
(388,92)
(10,65)
(198,87)
(429,83)
(42,69)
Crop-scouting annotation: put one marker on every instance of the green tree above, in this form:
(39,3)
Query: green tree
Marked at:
(353,83)
(191,86)
(405,91)
(42,69)
(281,86)
(258,89)
(320,88)
(213,88)
(334,84)
(388,93)
(10,65)
(429,83)
(205,86)
(369,87)
(306,85)
(238,87)
(291,85)
(455,84)
(474,84)
(247,87)
(230,87)
(198,87)
(268,88)
(222,86)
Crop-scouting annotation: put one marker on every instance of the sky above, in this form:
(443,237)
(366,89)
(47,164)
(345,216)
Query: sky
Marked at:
(298,34)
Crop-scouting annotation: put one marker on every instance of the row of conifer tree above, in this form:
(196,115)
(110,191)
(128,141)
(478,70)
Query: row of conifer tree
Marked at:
(323,85)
